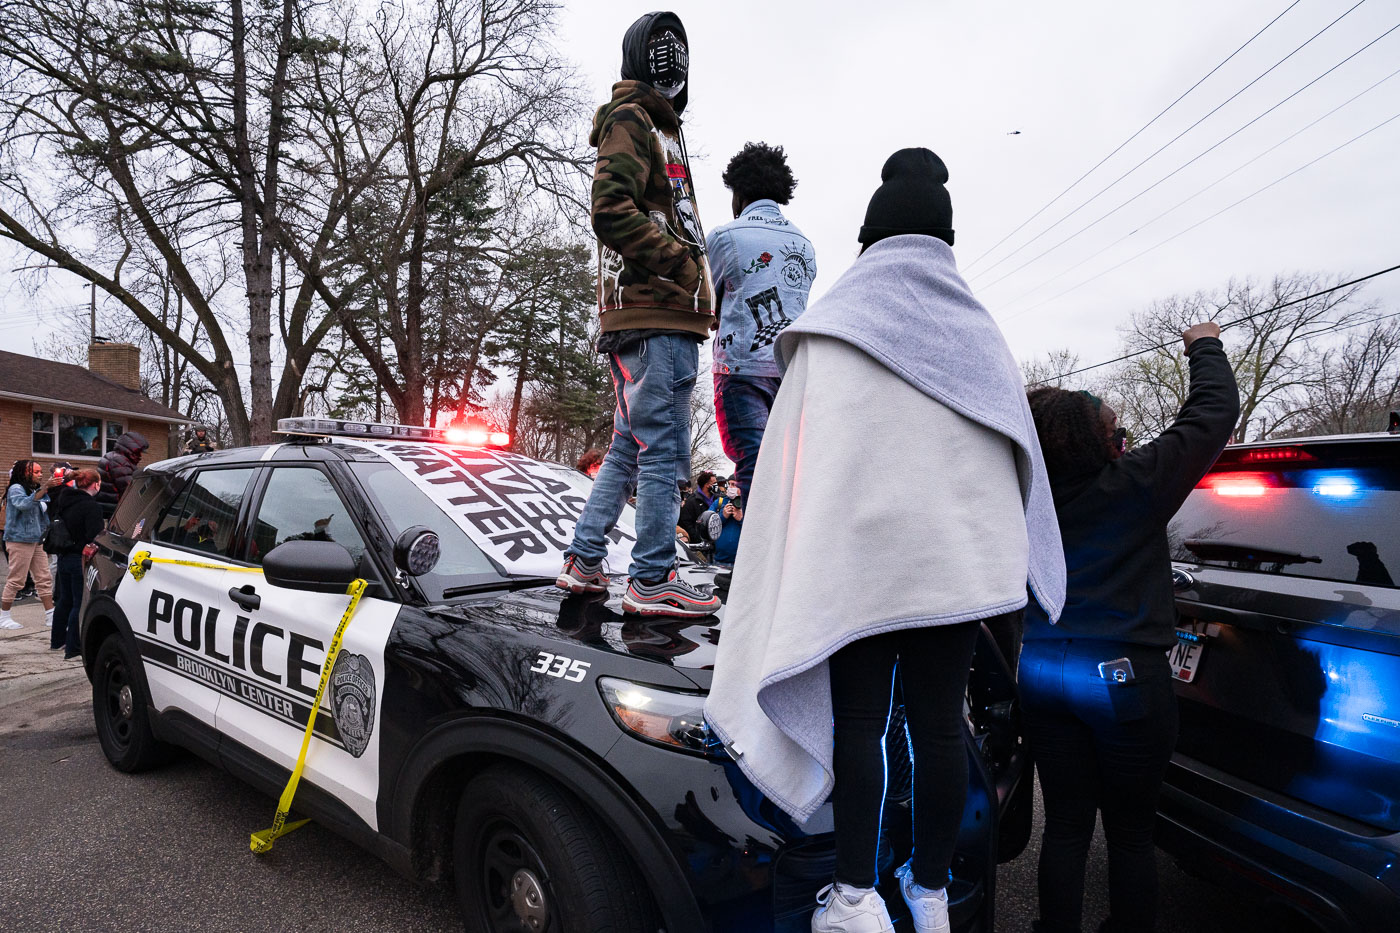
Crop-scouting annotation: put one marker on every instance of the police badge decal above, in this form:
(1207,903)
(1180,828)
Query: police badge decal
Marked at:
(352,700)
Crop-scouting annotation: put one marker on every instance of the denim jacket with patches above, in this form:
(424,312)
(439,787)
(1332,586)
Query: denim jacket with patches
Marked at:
(763,268)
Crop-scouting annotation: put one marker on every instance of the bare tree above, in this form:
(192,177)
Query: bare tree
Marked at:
(436,93)
(705,451)
(1269,342)
(1052,370)
(1355,384)
(163,127)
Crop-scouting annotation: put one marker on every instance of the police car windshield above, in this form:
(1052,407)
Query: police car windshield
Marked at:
(463,567)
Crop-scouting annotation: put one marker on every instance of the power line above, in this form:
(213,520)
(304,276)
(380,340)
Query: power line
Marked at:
(1125,142)
(1198,223)
(1169,142)
(1187,164)
(1238,321)
(1184,201)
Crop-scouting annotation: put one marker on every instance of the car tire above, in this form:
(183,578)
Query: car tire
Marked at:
(120,709)
(529,857)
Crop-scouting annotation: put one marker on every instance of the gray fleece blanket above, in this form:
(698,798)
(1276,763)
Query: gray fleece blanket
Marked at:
(922,535)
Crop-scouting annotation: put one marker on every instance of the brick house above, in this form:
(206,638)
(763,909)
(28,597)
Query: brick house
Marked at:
(57,411)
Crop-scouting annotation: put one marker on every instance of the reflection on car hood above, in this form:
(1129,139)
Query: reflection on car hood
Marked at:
(596,620)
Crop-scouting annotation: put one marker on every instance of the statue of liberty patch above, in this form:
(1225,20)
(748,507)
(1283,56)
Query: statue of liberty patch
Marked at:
(352,700)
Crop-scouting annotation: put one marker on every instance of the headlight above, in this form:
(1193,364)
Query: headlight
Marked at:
(670,718)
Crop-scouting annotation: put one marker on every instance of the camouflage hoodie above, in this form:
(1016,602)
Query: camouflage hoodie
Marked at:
(652,271)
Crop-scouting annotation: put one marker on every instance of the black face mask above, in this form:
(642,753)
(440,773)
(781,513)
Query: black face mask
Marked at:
(668,62)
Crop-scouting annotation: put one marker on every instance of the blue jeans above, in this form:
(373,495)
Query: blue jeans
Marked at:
(653,379)
(68,599)
(742,404)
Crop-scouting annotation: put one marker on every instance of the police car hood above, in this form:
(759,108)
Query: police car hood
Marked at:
(597,621)
(518,510)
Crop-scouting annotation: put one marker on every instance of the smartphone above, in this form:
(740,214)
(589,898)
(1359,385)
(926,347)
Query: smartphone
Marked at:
(1119,671)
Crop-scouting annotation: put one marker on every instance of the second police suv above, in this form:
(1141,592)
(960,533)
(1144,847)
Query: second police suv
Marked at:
(543,753)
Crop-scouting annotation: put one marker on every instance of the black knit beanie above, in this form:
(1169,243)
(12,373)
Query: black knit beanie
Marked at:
(911,199)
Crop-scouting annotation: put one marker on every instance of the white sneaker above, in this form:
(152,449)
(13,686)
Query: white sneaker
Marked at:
(7,621)
(48,618)
(928,906)
(843,909)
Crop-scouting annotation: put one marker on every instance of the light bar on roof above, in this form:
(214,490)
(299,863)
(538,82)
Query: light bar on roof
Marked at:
(335,427)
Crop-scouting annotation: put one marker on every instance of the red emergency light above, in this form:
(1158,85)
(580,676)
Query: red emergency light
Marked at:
(1276,455)
(476,434)
(1238,485)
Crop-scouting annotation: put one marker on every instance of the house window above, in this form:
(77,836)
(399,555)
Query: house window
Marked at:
(66,434)
(43,432)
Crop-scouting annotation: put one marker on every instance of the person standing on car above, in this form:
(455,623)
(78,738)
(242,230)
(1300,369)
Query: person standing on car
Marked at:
(763,268)
(1096,689)
(76,511)
(655,298)
(895,382)
(200,443)
(117,467)
(26,520)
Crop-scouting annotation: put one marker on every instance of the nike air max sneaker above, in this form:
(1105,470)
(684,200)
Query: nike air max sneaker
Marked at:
(670,597)
(579,576)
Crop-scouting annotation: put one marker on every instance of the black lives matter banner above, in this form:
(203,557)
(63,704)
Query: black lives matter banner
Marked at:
(520,511)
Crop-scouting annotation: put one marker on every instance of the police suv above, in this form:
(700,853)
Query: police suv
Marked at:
(543,752)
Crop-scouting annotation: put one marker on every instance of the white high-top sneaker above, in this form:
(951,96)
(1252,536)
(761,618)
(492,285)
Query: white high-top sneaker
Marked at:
(7,620)
(928,906)
(48,618)
(843,909)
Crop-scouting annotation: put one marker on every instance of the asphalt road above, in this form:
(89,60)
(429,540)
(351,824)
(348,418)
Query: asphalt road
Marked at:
(84,847)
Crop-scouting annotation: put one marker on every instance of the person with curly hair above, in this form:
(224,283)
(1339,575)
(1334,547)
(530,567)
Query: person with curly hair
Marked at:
(1096,690)
(26,521)
(763,268)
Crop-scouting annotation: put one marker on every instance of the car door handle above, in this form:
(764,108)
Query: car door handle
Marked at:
(245,596)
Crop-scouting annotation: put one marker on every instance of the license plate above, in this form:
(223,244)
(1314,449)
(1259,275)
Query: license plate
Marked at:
(1185,655)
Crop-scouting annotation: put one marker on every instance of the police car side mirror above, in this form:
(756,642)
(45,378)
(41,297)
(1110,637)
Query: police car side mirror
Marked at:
(416,550)
(315,566)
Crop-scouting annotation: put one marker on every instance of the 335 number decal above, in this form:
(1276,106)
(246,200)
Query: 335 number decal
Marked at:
(556,665)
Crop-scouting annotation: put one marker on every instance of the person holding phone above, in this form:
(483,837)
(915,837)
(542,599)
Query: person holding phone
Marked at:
(730,508)
(1096,690)
(26,520)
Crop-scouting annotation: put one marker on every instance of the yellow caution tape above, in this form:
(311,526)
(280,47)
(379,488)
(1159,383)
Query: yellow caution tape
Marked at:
(141,561)
(262,841)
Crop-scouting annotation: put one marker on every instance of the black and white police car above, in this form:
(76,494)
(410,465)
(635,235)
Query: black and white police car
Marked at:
(543,752)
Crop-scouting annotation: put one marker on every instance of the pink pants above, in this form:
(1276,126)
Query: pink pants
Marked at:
(27,560)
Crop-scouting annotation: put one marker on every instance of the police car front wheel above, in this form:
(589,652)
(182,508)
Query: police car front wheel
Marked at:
(119,707)
(530,858)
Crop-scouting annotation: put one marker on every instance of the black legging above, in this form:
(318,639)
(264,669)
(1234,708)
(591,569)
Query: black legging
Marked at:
(1098,746)
(937,660)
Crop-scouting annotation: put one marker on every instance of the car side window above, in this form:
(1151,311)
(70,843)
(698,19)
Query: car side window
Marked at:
(301,504)
(205,516)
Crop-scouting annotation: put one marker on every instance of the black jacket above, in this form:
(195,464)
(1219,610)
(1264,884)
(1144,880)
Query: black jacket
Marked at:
(1114,522)
(117,466)
(81,514)
(691,509)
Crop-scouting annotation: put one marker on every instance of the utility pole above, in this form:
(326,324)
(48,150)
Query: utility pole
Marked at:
(92,313)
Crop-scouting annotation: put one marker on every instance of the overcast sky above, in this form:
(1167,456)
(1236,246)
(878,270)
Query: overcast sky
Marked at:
(1020,99)
(843,85)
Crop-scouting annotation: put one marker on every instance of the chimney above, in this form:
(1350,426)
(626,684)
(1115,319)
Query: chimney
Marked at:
(119,362)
